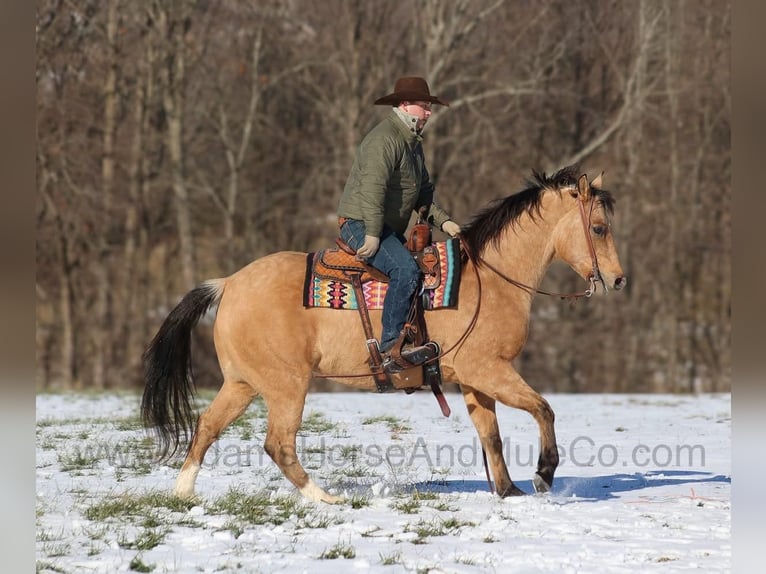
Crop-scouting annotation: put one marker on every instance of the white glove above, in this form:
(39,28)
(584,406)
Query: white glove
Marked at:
(450,227)
(370,247)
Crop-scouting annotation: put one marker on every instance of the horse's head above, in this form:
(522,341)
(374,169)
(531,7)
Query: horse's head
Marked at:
(583,238)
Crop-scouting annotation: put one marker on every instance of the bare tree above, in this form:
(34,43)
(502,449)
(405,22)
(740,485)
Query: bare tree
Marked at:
(174,20)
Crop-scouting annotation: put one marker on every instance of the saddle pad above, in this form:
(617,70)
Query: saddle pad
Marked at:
(334,294)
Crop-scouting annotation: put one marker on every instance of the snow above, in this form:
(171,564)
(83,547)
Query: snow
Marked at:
(644,485)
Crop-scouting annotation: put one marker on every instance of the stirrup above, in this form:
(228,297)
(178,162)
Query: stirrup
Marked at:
(410,358)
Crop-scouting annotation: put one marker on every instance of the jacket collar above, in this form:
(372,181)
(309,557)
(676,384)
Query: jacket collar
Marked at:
(406,125)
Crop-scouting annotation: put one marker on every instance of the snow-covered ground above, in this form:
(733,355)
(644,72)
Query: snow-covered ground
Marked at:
(644,486)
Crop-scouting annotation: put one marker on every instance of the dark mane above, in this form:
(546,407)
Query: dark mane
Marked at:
(486,227)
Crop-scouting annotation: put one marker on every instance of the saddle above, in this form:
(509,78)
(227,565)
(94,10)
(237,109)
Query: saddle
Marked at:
(401,370)
(340,263)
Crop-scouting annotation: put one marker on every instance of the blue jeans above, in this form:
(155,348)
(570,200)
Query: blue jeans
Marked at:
(395,260)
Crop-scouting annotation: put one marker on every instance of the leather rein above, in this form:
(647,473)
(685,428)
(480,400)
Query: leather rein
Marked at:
(593,278)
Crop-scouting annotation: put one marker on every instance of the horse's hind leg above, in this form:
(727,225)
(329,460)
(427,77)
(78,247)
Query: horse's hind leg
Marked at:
(481,409)
(284,420)
(231,401)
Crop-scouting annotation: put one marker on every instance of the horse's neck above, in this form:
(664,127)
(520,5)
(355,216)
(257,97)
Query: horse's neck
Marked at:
(526,249)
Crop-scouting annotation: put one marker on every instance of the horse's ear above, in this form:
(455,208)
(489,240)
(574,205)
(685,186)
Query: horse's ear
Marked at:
(583,187)
(597,181)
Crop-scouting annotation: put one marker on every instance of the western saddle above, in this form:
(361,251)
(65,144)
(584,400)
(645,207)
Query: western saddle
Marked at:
(399,369)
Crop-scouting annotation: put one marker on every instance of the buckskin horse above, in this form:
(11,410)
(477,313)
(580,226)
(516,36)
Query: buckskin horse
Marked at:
(268,344)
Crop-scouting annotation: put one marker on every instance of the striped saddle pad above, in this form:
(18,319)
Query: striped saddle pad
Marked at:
(325,286)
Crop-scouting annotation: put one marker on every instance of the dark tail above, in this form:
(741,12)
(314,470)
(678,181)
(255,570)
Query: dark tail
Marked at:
(166,404)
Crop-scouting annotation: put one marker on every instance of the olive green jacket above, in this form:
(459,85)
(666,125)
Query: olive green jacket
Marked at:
(389,180)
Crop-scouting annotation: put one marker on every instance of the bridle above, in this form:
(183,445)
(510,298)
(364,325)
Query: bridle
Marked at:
(594,277)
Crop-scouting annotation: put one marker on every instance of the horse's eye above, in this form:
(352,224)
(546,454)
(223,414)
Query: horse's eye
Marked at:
(599,230)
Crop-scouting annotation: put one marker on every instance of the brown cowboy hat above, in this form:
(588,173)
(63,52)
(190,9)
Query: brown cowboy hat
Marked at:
(409,88)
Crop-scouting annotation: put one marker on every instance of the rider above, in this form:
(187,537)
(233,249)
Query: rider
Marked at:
(388,180)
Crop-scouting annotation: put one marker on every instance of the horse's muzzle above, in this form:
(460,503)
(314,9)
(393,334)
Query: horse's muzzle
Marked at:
(620,282)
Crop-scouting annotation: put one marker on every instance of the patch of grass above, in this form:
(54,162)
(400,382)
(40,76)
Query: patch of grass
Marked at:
(47,444)
(359,501)
(444,506)
(96,531)
(189,522)
(42,566)
(250,508)
(340,431)
(48,423)
(134,454)
(235,527)
(136,505)
(412,505)
(453,523)
(77,460)
(47,535)
(129,424)
(146,540)
(319,520)
(407,506)
(503,515)
(95,549)
(426,528)
(340,550)
(426,495)
(53,549)
(137,565)
(395,425)
(316,422)
(355,471)
(350,451)
(313,449)
(244,425)
(262,508)
(52,545)
(391,559)
(489,539)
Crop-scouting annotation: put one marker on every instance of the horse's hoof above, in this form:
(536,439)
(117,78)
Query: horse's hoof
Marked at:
(331,499)
(184,493)
(512,490)
(316,494)
(541,486)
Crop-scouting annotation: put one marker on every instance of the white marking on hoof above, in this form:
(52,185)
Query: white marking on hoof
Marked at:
(316,494)
(541,487)
(185,482)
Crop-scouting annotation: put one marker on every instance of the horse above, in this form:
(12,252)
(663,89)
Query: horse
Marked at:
(269,344)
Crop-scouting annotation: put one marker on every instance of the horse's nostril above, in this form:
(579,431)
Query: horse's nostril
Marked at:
(620,282)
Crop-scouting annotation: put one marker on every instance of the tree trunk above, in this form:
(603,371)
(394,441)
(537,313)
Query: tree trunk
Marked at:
(173,71)
(102,330)
(66,365)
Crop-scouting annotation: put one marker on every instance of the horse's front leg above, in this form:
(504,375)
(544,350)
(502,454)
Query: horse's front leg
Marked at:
(481,409)
(500,381)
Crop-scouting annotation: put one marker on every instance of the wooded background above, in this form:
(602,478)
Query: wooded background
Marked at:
(178,140)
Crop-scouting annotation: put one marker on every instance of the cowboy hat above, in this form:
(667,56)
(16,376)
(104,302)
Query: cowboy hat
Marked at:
(410,88)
